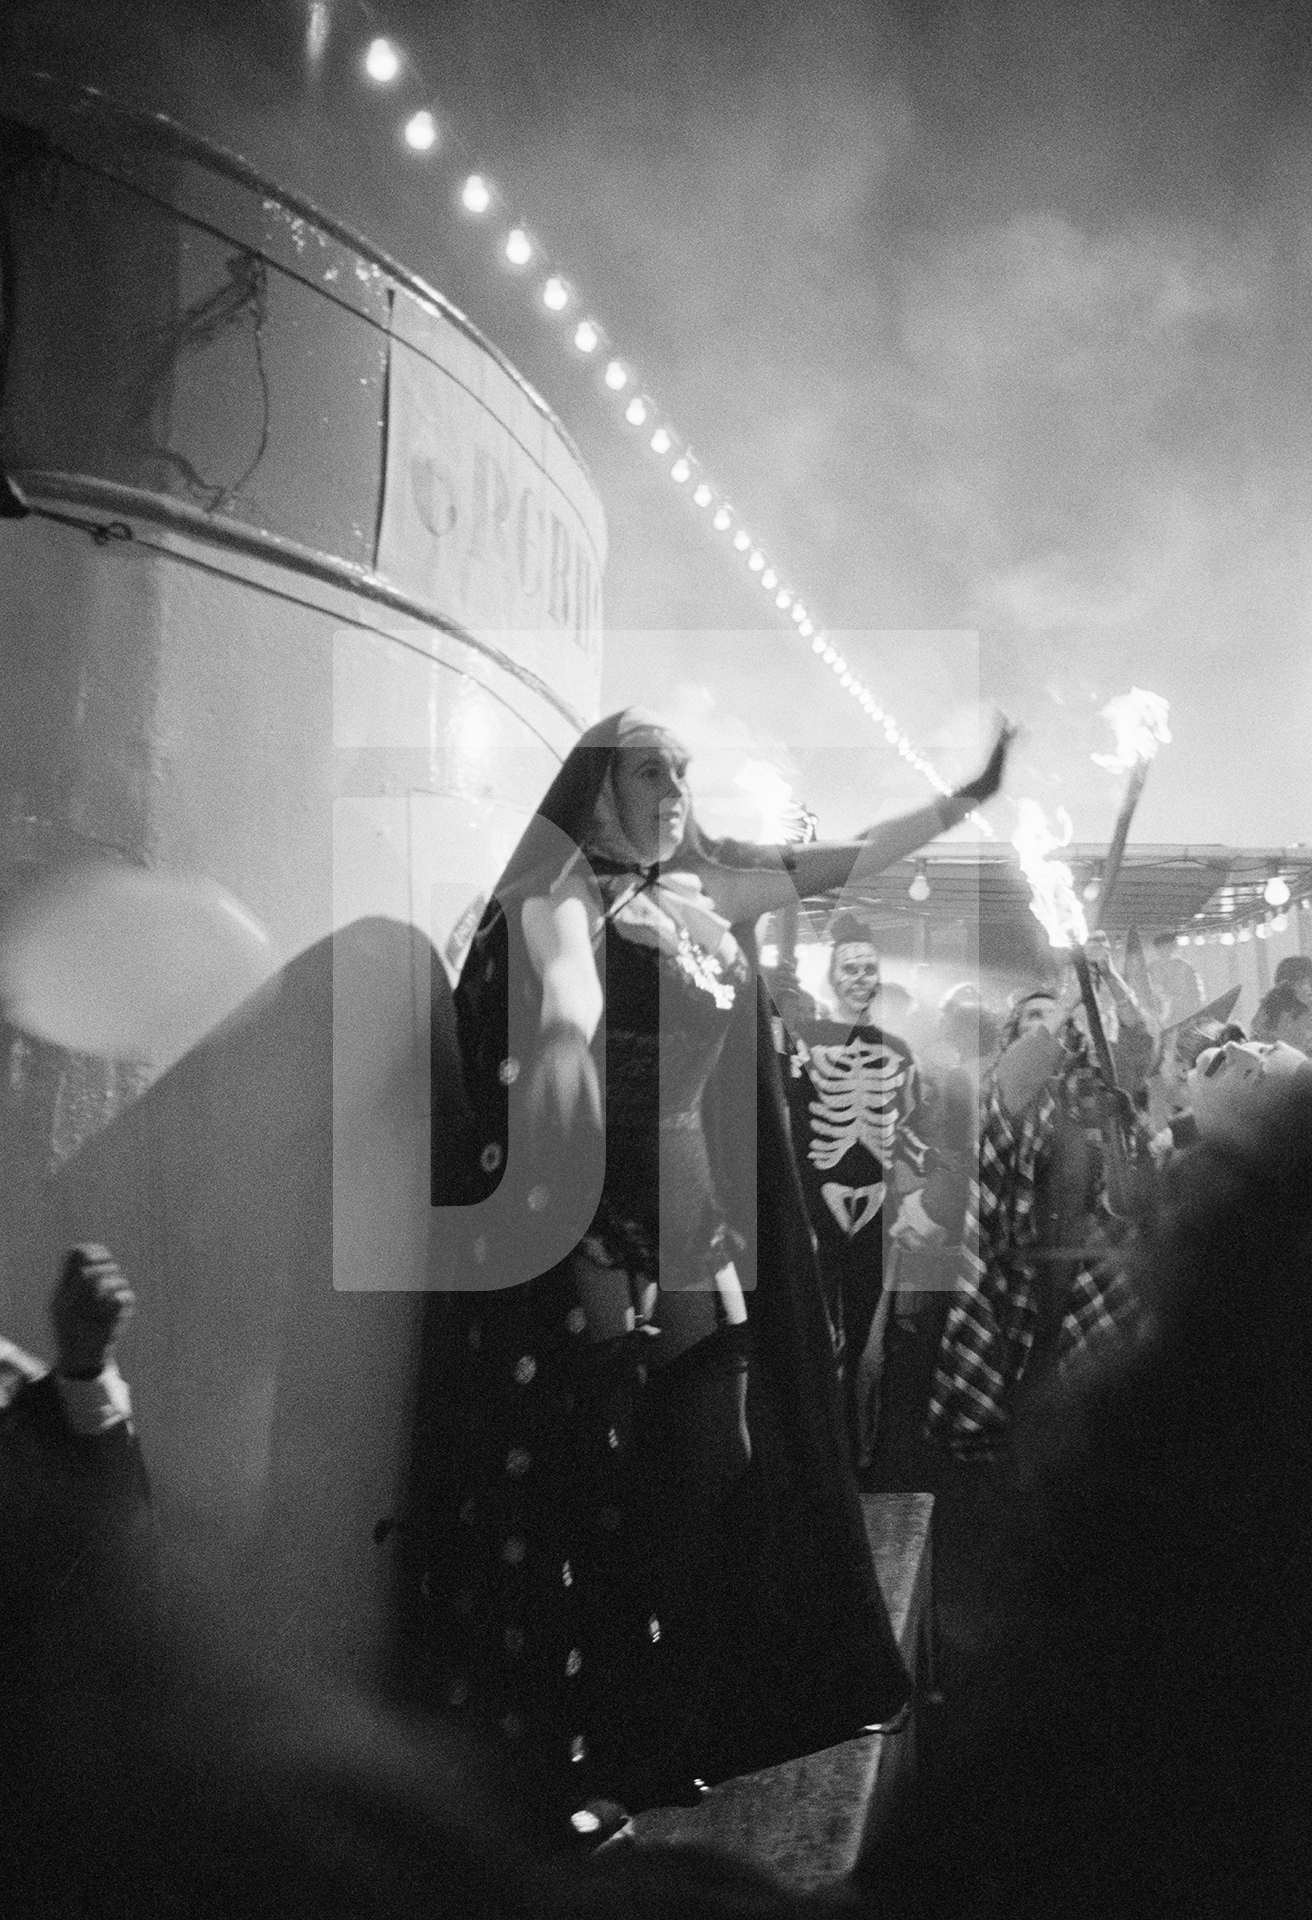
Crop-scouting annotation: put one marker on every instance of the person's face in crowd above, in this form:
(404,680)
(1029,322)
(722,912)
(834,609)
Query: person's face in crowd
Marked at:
(652,798)
(1173,1072)
(1302,985)
(1296,1030)
(1041,1011)
(854,976)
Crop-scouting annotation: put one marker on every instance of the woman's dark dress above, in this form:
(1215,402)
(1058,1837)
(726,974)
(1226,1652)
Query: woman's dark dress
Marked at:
(628,1629)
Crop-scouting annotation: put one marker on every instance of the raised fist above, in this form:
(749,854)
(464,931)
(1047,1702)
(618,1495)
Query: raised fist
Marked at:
(88,1310)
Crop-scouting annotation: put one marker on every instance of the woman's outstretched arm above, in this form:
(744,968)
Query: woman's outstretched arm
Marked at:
(743,894)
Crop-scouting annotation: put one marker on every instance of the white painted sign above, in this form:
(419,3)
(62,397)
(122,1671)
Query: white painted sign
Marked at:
(488,516)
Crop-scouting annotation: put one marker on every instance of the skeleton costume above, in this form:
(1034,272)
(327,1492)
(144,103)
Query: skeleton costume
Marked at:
(854,1096)
(626,1625)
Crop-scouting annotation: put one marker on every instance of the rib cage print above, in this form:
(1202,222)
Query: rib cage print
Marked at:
(857,1100)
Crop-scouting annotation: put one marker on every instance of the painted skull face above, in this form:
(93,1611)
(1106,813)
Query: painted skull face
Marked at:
(854,974)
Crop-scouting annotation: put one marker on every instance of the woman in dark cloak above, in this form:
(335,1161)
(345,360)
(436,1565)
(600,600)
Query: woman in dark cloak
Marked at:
(656,1572)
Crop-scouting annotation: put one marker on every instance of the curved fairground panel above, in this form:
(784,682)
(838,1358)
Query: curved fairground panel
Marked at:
(301,589)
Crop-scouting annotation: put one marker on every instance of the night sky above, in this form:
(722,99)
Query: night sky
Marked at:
(990,319)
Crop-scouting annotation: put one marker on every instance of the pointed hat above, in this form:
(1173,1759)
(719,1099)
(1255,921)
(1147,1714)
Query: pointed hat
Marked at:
(1219,1010)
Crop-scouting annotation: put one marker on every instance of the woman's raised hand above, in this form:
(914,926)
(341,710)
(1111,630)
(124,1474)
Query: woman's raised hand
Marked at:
(987,782)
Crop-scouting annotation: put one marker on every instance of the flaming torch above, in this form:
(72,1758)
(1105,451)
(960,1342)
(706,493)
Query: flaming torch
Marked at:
(1139,721)
(784,819)
(1056,906)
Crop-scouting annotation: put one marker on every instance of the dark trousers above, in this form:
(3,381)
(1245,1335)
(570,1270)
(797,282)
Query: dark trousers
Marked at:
(852,1271)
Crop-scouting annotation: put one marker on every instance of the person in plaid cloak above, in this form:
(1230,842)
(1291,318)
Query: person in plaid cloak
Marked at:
(1047,1287)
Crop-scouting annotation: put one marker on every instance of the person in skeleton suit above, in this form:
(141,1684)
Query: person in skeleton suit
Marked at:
(854,1094)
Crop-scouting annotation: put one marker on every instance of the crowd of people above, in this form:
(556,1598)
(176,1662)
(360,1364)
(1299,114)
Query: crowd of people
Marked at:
(1003,1167)
(636,1555)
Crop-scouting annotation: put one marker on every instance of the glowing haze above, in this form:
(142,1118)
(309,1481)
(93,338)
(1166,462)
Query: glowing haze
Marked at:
(992,319)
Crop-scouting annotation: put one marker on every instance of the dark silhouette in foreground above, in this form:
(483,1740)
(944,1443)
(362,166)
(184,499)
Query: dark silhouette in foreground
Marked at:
(1146,1747)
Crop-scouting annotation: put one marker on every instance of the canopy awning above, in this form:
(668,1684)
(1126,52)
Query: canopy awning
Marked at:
(1160,889)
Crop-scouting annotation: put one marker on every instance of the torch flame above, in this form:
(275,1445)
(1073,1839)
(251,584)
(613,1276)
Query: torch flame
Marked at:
(1054,901)
(1138,720)
(783,817)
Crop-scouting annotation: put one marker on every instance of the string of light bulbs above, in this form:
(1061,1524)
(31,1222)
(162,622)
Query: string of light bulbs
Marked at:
(1265,926)
(425,131)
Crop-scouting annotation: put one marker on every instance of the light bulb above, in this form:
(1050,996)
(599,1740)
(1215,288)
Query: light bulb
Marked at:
(1182,939)
(476,194)
(742,540)
(316,31)
(702,496)
(660,441)
(519,248)
(818,644)
(679,472)
(382,62)
(781,600)
(1262,930)
(616,377)
(756,560)
(723,520)
(1200,939)
(1090,890)
(829,654)
(799,613)
(769,579)
(1245,933)
(1276,891)
(1227,939)
(555,294)
(919,888)
(806,629)
(421,131)
(585,337)
(1280,922)
(635,413)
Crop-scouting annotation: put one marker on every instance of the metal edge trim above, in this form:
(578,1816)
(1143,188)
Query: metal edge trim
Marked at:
(111,496)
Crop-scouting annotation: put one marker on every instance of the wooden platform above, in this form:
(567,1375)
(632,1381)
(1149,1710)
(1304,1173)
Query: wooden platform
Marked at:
(808,1819)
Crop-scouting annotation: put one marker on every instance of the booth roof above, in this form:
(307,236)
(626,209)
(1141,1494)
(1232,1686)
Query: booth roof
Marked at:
(1160,889)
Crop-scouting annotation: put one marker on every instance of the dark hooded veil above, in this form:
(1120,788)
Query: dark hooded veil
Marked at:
(799,1654)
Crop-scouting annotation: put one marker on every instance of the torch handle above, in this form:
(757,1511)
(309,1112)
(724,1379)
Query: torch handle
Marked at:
(1097,1032)
(1118,1163)
(1116,851)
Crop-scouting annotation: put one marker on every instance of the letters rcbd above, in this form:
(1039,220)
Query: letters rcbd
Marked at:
(521,538)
